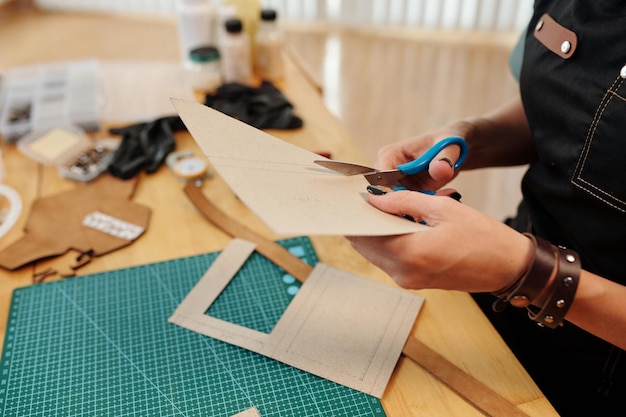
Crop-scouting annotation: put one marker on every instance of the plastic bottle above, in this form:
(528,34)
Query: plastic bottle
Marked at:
(204,69)
(222,14)
(270,43)
(249,11)
(196,25)
(235,51)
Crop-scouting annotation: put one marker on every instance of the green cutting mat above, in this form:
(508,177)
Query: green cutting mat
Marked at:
(100,345)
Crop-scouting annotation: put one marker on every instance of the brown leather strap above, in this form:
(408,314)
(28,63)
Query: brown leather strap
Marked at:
(272,250)
(473,391)
(562,293)
(528,287)
(555,37)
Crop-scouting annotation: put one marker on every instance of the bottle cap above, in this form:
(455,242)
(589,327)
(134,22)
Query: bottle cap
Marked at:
(204,54)
(233,25)
(268,14)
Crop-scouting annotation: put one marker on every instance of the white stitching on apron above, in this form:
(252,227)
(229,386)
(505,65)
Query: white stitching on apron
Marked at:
(576,176)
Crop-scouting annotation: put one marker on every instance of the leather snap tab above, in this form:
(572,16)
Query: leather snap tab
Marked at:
(554,36)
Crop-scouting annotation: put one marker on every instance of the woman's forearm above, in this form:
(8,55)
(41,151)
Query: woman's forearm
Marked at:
(599,308)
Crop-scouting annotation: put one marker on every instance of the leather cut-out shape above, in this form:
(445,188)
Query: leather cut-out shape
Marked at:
(55,223)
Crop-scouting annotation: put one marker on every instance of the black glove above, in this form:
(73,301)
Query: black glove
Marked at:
(264,107)
(144,145)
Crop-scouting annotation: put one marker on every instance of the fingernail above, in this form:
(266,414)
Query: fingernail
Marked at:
(372,189)
(448,161)
(455,195)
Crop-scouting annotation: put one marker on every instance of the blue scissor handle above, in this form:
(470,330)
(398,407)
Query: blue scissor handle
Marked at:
(403,188)
(421,163)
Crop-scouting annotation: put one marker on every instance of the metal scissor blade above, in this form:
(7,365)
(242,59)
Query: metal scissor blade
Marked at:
(387,178)
(345,168)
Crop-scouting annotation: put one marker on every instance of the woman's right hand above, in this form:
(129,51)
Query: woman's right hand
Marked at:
(441,169)
(499,138)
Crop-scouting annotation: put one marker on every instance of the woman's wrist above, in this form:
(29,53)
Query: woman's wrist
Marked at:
(473,131)
(539,265)
(499,138)
(547,288)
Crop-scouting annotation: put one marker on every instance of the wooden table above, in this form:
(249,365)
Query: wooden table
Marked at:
(449,322)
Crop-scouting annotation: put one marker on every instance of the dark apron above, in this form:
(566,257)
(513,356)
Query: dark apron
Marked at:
(575,195)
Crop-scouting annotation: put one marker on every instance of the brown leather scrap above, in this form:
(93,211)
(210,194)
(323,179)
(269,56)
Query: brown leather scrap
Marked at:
(55,223)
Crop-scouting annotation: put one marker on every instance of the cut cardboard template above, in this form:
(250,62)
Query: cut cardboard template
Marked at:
(281,183)
(250,412)
(339,326)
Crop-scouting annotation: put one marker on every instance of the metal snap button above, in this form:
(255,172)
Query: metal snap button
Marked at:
(539,26)
(622,72)
(565,47)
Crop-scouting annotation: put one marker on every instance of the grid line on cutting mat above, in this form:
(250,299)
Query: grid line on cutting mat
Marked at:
(102,345)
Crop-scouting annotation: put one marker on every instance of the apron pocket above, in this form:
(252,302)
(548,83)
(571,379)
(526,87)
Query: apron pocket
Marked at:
(601,166)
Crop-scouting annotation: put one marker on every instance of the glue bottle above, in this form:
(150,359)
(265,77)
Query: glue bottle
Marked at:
(196,25)
(249,11)
(270,43)
(235,53)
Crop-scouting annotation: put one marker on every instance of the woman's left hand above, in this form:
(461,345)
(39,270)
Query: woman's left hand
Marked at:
(463,249)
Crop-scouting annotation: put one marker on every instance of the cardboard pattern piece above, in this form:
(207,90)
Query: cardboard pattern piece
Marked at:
(250,412)
(339,326)
(281,183)
(95,217)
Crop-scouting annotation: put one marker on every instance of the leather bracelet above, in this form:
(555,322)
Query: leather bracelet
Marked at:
(524,291)
(562,293)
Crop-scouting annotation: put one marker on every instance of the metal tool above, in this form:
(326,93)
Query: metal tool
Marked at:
(391,178)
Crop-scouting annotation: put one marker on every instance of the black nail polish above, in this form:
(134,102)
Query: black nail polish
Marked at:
(408,217)
(455,195)
(448,161)
(372,189)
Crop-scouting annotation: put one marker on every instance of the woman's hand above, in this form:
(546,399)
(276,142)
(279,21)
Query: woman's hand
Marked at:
(468,251)
(463,249)
(499,138)
(441,169)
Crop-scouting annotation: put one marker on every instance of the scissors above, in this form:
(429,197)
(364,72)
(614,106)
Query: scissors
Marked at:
(391,178)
